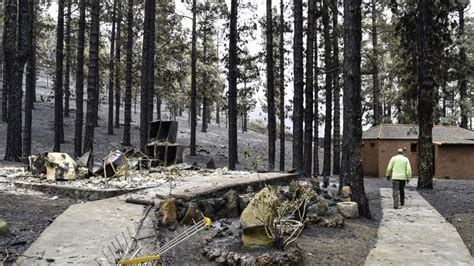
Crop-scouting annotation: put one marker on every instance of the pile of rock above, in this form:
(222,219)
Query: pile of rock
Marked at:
(174,212)
(290,257)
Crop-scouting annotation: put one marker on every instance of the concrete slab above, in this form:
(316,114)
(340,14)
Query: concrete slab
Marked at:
(80,234)
(214,186)
(416,234)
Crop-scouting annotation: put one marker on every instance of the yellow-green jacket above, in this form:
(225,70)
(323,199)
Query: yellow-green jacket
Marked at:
(399,168)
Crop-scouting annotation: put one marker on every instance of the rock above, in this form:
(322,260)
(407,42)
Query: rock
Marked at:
(221,259)
(37,164)
(247,260)
(323,207)
(244,201)
(82,173)
(214,254)
(328,195)
(60,166)
(325,181)
(254,217)
(168,211)
(193,214)
(4,228)
(231,199)
(336,222)
(348,209)
(211,164)
(264,259)
(346,193)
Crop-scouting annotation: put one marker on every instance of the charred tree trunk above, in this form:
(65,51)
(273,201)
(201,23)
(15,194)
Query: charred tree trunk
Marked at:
(218,114)
(270,89)
(147,70)
(151,69)
(352,140)
(328,80)
(232,105)
(118,69)
(193,83)
(93,79)
(337,92)
(462,72)
(425,96)
(16,53)
(308,116)
(58,82)
(282,86)
(316,105)
(375,76)
(4,71)
(205,104)
(204,113)
(67,78)
(128,81)
(30,78)
(110,124)
(298,87)
(80,80)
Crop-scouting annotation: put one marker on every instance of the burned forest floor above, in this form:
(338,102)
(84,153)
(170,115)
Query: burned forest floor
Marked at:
(29,213)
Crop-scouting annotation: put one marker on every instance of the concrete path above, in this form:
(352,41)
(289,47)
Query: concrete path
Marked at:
(80,234)
(416,234)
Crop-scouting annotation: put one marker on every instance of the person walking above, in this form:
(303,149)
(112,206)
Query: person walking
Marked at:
(399,170)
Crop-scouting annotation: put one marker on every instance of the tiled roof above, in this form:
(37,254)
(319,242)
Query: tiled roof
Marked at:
(441,134)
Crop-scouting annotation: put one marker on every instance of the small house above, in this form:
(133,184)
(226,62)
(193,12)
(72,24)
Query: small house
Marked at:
(453,149)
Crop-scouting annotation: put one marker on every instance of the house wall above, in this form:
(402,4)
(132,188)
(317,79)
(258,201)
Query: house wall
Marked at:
(454,161)
(388,148)
(370,157)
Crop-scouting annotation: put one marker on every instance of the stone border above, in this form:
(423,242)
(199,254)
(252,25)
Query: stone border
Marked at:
(74,192)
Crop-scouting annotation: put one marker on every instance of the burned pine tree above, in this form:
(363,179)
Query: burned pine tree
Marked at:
(328,89)
(79,119)
(58,80)
(308,116)
(16,54)
(337,91)
(67,77)
(128,78)
(233,72)
(147,74)
(193,110)
(298,111)
(93,80)
(30,78)
(270,88)
(281,62)
(110,124)
(351,172)
(118,69)
(425,94)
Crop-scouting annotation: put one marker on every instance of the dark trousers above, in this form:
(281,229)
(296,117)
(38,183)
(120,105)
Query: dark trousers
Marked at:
(398,187)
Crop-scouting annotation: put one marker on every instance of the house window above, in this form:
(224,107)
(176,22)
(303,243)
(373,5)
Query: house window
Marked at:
(363,145)
(413,147)
(372,145)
